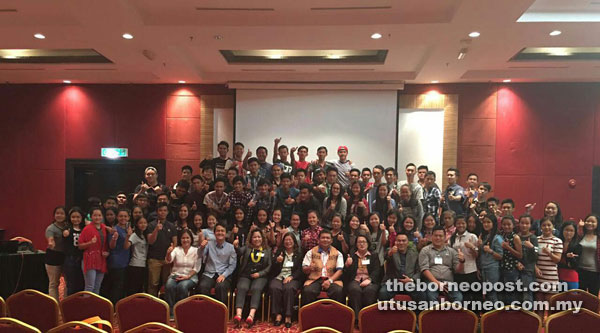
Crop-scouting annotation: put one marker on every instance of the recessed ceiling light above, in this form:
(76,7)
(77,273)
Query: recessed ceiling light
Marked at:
(555,33)
(334,56)
(376,35)
(506,80)
(67,81)
(462,53)
(10,57)
(181,81)
(127,36)
(39,36)
(435,81)
(275,56)
(218,37)
(474,34)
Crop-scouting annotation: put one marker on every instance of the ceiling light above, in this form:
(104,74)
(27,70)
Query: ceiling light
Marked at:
(127,36)
(376,35)
(9,57)
(39,36)
(555,33)
(435,81)
(462,53)
(334,56)
(474,34)
(67,81)
(506,80)
(275,56)
(181,81)
(218,37)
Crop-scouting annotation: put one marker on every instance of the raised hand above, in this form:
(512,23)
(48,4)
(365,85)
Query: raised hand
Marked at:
(204,243)
(280,258)
(115,235)
(349,261)
(129,231)
(277,141)
(194,206)
(236,242)
(66,233)
(382,226)
(461,255)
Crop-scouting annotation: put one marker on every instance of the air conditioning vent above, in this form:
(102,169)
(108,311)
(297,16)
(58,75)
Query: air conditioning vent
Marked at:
(268,70)
(90,69)
(238,9)
(352,8)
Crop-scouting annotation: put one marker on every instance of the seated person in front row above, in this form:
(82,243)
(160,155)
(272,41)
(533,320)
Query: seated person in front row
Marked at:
(221,259)
(323,265)
(363,273)
(402,269)
(437,262)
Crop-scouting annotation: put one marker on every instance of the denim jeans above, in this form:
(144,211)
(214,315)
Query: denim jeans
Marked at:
(93,280)
(509,276)
(526,278)
(491,274)
(178,290)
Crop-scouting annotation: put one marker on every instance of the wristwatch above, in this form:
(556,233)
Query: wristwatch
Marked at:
(330,281)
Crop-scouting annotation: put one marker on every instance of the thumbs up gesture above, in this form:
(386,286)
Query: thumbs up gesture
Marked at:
(461,255)
(280,258)
(236,242)
(115,235)
(129,231)
(170,249)
(235,229)
(204,243)
(349,261)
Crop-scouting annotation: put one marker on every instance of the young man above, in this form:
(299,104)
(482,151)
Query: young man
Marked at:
(238,157)
(265,167)
(411,173)
(209,178)
(305,202)
(110,201)
(302,163)
(179,196)
(432,195)
(219,164)
(285,198)
(323,266)
(253,176)
(492,205)
(220,258)
(239,197)
(283,153)
(421,172)
(232,172)
(507,207)
(122,199)
(217,201)
(186,173)
(320,163)
(479,203)
(454,196)
(402,269)
(196,197)
(162,235)
(343,166)
(378,172)
(365,178)
(437,263)
(300,178)
(471,190)
(263,199)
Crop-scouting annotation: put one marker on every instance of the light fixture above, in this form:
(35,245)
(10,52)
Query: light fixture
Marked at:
(275,56)
(506,80)
(10,57)
(462,53)
(334,56)
(560,52)
(218,37)
(435,81)
(555,33)
(376,35)
(127,36)
(39,36)
(181,81)
(474,34)
(67,81)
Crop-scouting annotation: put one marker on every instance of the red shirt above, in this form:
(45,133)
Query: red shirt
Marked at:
(92,256)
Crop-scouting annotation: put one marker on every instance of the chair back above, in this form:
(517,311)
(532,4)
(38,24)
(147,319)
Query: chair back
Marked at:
(154,328)
(567,298)
(83,305)
(328,313)
(503,320)
(11,325)
(2,307)
(438,319)
(570,321)
(372,319)
(200,309)
(34,308)
(321,329)
(138,309)
(76,327)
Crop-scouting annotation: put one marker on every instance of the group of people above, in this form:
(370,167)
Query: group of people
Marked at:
(321,226)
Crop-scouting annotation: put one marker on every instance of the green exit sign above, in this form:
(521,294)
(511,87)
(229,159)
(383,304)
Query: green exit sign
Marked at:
(114,152)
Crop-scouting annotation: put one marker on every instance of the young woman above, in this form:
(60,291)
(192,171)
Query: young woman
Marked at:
(427,231)
(448,218)
(183,218)
(55,252)
(491,253)
(209,232)
(394,225)
(239,230)
(589,262)
(513,252)
(363,274)
(73,255)
(383,202)
(119,255)
(255,264)
(549,255)
(378,237)
(357,204)
(136,271)
(526,266)
(409,228)
(474,224)
(261,221)
(288,278)
(196,228)
(186,265)
(355,228)
(110,216)
(339,237)
(567,266)
(465,242)
(93,241)
(553,212)
(310,236)
(333,204)
(294,228)
(410,206)
(136,213)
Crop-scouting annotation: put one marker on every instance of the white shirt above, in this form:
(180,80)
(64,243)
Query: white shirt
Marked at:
(183,263)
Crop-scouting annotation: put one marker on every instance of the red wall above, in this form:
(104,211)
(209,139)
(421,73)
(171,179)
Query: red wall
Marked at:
(42,125)
(527,140)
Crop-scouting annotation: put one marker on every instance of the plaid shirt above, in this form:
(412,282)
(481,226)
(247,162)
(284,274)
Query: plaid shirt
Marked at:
(313,237)
(239,199)
(252,181)
(432,199)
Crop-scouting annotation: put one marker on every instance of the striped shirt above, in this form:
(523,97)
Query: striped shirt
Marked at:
(544,263)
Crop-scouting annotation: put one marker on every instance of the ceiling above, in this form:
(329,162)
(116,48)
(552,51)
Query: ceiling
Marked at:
(181,39)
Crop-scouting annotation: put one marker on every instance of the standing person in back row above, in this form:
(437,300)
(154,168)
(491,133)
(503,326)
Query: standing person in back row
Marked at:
(343,166)
(219,164)
(454,196)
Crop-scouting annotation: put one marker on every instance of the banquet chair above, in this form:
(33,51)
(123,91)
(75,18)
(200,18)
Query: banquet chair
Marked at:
(141,308)
(373,320)
(154,328)
(34,308)
(76,327)
(326,312)
(437,319)
(11,325)
(571,321)
(503,320)
(590,301)
(201,309)
(83,305)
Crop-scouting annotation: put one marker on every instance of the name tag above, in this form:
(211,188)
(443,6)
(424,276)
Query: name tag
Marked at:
(288,264)
(260,254)
(437,260)
(365,262)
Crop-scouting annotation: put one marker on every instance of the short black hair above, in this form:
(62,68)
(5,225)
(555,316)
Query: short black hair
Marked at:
(332,169)
(430,173)
(486,185)
(239,179)
(354,170)
(390,169)
(223,143)
(238,144)
(183,184)
(472,174)
(305,186)
(409,165)
(303,147)
(322,147)
(233,168)
(161,205)
(187,167)
(493,199)
(198,177)
(325,231)
(282,147)
(508,201)
(365,169)
(299,170)
(220,179)
(456,172)
(438,227)
(262,147)
(263,181)
(379,166)
(111,197)
(252,160)
(285,175)
(421,167)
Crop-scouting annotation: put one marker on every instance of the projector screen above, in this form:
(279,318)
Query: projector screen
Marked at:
(364,121)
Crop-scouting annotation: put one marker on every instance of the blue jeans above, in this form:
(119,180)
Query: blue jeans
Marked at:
(454,295)
(178,290)
(385,294)
(509,276)
(491,274)
(526,278)
(93,280)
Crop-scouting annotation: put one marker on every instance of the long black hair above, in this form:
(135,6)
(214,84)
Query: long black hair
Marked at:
(488,236)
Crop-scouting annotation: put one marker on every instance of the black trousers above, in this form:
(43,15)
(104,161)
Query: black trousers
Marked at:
(312,291)
(221,289)
(283,296)
(136,280)
(361,296)
(589,281)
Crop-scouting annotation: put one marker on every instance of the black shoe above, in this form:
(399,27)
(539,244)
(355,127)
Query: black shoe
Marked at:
(277,323)
(288,325)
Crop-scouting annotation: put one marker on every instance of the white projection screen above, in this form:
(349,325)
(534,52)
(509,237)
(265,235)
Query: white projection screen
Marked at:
(421,139)
(365,121)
